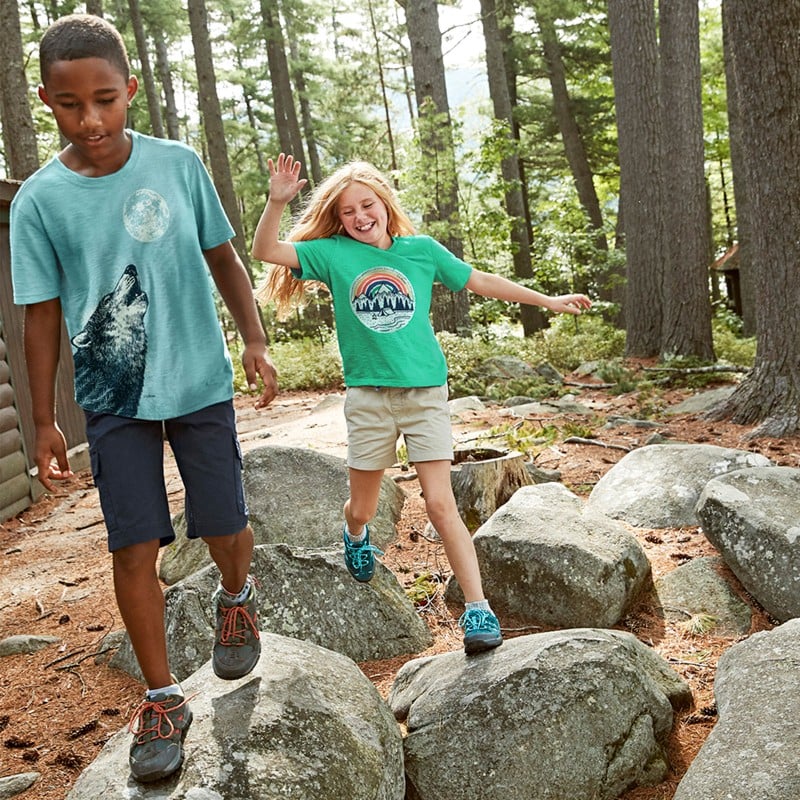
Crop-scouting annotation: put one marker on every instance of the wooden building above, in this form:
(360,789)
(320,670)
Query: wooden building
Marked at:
(18,487)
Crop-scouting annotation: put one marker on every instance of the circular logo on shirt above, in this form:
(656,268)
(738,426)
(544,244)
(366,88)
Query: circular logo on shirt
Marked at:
(146,215)
(382,299)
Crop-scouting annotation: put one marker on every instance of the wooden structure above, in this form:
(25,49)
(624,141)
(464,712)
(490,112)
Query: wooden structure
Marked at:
(17,487)
(728,266)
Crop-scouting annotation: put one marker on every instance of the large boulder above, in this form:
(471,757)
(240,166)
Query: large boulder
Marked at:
(751,754)
(546,559)
(578,714)
(658,486)
(752,517)
(295,495)
(304,593)
(306,723)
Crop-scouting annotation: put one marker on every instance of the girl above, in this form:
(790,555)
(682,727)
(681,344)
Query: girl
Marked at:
(354,237)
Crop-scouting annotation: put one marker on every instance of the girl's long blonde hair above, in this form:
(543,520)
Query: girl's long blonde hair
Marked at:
(320,220)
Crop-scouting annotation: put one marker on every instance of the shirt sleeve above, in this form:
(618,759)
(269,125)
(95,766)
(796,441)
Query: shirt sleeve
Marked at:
(35,271)
(212,222)
(450,270)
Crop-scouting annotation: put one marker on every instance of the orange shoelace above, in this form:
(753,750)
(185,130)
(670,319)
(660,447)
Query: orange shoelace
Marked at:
(236,621)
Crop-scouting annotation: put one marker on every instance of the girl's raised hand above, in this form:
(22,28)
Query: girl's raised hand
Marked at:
(284,178)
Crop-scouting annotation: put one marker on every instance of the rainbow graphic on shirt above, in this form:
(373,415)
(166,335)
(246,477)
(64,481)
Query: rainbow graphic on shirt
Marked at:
(382,299)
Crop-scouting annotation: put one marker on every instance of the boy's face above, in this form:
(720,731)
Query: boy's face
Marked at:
(89,98)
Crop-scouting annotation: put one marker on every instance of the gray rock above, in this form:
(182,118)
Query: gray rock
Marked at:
(544,558)
(25,643)
(12,785)
(295,495)
(753,518)
(569,714)
(306,723)
(461,404)
(506,367)
(658,486)
(751,754)
(697,591)
(306,594)
(701,401)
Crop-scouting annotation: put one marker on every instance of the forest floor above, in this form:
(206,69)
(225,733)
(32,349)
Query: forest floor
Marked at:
(60,705)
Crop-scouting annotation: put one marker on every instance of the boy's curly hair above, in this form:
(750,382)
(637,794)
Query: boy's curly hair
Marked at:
(82,36)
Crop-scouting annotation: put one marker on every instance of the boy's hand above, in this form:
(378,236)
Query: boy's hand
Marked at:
(256,362)
(569,303)
(51,446)
(284,178)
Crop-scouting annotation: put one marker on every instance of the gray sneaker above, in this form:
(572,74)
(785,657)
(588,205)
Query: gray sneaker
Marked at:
(159,727)
(237,644)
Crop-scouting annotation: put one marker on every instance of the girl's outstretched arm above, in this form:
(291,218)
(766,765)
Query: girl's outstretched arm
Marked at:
(284,184)
(488,285)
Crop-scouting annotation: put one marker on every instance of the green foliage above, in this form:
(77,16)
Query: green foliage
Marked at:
(569,341)
(301,364)
(729,345)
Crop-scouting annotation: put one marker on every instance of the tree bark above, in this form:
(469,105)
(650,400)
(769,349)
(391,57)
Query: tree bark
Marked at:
(686,327)
(765,54)
(450,310)
(214,129)
(739,170)
(532,317)
(19,134)
(165,76)
(634,57)
(286,123)
(150,90)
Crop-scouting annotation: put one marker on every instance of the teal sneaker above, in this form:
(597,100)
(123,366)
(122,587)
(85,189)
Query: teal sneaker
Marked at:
(359,557)
(159,727)
(237,642)
(481,631)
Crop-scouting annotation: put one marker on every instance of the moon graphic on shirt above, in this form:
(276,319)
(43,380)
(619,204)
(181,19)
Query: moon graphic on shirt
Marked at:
(146,215)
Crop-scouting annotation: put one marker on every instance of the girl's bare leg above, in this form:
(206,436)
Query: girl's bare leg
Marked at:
(440,505)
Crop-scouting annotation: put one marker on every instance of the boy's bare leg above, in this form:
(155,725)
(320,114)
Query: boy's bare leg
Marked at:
(232,555)
(141,603)
(360,508)
(440,505)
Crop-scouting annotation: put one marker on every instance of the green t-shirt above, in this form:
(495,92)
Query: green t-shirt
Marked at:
(382,301)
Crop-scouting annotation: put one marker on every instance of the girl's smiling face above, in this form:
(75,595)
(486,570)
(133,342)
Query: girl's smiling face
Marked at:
(363,216)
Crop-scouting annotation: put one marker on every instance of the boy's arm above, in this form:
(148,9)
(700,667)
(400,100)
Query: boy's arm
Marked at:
(42,342)
(488,285)
(233,282)
(284,184)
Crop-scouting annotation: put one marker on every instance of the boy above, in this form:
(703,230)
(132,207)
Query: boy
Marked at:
(116,232)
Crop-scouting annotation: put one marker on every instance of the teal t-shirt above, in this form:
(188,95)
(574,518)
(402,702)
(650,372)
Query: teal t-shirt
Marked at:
(382,301)
(124,254)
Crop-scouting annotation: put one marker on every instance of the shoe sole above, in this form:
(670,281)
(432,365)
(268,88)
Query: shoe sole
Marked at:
(473,647)
(170,769)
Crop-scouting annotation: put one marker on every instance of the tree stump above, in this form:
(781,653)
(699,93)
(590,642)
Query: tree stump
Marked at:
(484,479)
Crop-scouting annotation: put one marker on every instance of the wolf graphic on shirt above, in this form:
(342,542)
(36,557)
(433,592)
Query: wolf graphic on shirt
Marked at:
(110,351)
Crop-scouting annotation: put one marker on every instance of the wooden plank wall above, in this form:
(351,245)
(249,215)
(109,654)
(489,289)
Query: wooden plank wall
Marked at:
(15,403)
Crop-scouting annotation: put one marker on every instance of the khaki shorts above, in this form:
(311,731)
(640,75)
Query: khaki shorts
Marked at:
(377,415)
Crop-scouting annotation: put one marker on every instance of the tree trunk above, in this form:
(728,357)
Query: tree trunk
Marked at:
(634,57)
(214,129)
(740,191)
(765,52)
(289,136)
(570,133)
(19,134)
(686,327)
(150,90)
(165,76)
(532,317)
(450,310)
